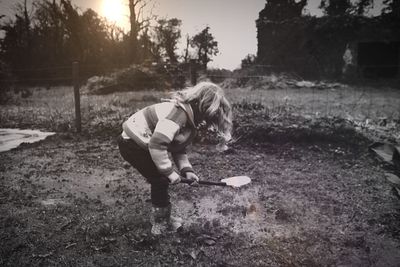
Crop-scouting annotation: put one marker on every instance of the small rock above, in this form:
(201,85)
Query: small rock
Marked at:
(282,215)
(209,242)
(193,255)
(394,179)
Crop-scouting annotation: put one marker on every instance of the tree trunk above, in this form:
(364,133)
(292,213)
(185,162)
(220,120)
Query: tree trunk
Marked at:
(134,32)
(186,56)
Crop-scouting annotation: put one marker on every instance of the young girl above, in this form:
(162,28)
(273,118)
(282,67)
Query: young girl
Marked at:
(151,133)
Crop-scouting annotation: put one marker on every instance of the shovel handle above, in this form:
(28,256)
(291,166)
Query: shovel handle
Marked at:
(187,181)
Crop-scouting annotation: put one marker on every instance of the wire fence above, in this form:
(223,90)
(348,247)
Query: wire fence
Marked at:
(272,92)
(24,75)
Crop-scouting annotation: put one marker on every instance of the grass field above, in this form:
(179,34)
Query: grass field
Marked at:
(359,103)
(54,109)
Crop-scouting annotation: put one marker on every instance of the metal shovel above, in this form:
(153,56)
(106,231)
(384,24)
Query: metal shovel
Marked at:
(236,181)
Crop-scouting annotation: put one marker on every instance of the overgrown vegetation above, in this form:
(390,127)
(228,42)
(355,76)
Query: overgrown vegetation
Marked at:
(42,40)
(314,47)
(135,78)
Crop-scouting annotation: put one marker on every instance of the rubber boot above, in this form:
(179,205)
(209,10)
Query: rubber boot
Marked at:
(159,218)
(162,222)
(174,223)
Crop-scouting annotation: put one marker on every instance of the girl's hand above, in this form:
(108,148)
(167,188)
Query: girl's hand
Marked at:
(193,177)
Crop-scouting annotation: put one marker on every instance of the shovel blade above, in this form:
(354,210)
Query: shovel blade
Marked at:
(236,181)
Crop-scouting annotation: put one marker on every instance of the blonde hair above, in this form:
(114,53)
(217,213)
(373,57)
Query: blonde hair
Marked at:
(212,104)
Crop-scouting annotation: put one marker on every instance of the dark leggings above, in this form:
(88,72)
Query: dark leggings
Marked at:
(141,160)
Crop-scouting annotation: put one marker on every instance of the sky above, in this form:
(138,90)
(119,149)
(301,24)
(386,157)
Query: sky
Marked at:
(231,22)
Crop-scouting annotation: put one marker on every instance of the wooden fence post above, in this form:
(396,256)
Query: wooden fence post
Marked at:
(75,80)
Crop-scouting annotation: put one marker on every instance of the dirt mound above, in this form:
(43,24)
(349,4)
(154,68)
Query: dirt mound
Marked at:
(252,124)
(255,80)
(297,129)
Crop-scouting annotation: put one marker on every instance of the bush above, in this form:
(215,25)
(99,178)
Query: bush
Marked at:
(136,77)
(5,83)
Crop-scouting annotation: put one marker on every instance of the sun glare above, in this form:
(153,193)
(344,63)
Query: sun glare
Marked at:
(114,11)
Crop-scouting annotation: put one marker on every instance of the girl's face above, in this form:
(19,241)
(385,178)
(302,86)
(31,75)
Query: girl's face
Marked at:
(219,122)
(198,115)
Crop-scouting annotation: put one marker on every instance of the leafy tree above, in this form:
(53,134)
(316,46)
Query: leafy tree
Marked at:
(277,10)
(50,29)
(392,8)
(249,60)
(18,37)
(363,6)
(73,30)
(94,39)
(54,33)
(137,23)
(186,55)
(167,34)
(205,45)
(343,7)
(336,7)
(151,51)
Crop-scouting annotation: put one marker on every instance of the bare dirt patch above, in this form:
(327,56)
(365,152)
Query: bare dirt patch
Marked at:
(73,201)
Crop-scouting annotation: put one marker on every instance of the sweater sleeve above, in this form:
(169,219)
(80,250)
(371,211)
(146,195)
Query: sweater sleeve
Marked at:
(163,135)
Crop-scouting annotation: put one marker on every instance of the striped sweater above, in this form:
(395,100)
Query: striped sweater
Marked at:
(162,128)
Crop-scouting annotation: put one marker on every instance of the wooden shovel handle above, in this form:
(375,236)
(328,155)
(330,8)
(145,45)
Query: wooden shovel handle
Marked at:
(187,181)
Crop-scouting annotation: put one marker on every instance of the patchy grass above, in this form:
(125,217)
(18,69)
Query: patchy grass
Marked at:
(367,108)
(349,102)
(55,107)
